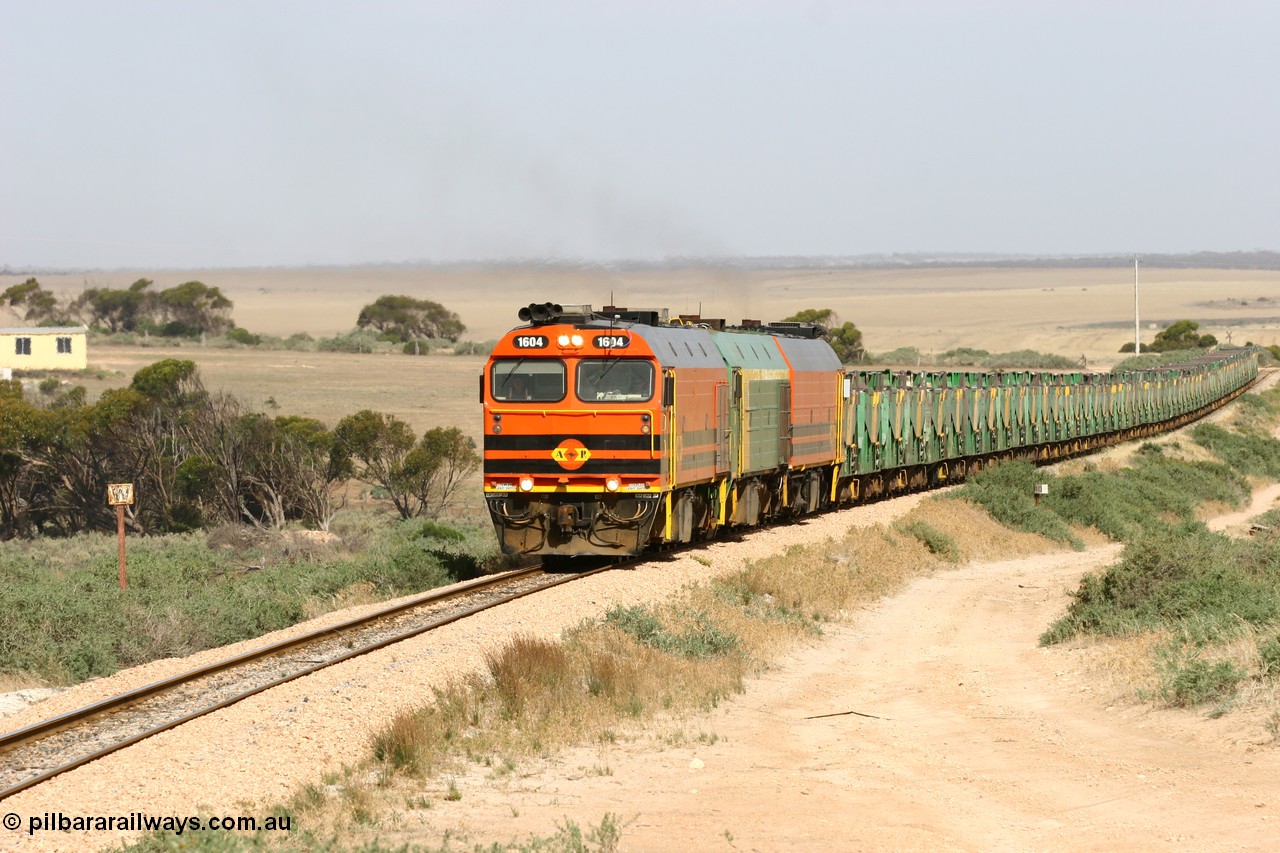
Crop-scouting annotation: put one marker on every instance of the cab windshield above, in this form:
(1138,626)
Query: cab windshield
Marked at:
(536,380)
(615,380)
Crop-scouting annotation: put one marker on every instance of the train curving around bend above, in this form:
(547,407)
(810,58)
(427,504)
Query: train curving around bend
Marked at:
(611,432)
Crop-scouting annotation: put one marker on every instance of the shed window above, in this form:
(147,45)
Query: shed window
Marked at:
(22,346)
(64,345)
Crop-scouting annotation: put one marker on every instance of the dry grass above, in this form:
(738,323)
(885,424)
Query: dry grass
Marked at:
(608,676)
(14,681)
(638,669)
(641,665)
(976,534)
(688,653)
(356,595)
(1126,665)
(435,390)
(1139,668)
(1212,509)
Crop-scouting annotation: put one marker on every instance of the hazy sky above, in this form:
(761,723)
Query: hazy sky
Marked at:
(236,133)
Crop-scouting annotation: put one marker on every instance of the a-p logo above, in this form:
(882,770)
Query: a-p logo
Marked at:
(571,454)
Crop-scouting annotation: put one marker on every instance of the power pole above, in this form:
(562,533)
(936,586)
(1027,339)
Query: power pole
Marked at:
(1137,340)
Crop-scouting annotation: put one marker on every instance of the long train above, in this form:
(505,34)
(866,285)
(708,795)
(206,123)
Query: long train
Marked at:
(612,432)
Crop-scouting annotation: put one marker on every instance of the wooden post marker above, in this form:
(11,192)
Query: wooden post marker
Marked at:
(120,495)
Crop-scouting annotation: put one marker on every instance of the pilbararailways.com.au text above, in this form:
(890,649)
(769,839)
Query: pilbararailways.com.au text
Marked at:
(142,822)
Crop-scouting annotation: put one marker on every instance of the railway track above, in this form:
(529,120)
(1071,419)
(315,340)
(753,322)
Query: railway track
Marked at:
(46,749)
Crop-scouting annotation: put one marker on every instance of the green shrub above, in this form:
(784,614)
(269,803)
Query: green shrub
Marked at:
(703,639)
(299,341)
(1258,414)
(426,528)
(243,336)
(1006,491)
(1253,454)
(1120,505)
(1125,504)
(1269,657)
(967,357)
(474,347)
(351,342)
(1270,518)
(1175,575)
(1030,360)
(1199,681)
(1152,360)
(935,540)
(909,356)
(639,622)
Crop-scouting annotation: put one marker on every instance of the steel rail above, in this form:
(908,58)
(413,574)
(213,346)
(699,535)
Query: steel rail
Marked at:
(45,728)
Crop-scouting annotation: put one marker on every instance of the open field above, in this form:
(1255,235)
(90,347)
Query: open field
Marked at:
(1069,311)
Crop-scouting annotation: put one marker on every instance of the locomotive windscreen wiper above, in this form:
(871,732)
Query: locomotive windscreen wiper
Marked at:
(511,374)
(605,372)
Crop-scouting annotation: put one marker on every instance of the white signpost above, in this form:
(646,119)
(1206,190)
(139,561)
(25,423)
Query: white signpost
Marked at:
(120,495)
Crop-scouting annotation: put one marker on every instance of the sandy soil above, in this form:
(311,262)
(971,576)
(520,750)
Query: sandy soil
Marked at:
(932,722)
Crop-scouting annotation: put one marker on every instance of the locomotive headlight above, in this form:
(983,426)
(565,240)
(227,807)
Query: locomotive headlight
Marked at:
(577,340)
(563,340)
(526,484)
(612,484)
(645,429)
(497,428)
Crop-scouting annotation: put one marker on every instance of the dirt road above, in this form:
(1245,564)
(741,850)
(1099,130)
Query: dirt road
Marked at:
(974,738)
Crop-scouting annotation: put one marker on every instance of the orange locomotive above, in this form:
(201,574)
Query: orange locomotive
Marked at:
(606,433)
